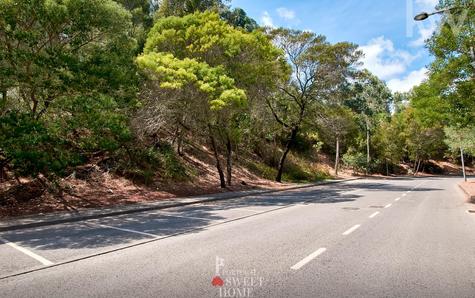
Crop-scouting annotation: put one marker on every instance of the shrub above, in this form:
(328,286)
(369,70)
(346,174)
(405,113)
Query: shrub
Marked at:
(355,160)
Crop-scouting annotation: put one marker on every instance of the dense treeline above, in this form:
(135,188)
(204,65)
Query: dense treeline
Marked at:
(131,83)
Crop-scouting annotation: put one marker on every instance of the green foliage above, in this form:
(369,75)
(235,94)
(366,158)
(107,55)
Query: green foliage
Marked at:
(32,149)
(181,8)
(238,18)
(56,48)
(68,80)
(174,73)
(453,71)
(355,159)
(460,138)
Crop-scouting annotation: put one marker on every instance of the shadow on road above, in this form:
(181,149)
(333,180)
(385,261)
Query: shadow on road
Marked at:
(95,234)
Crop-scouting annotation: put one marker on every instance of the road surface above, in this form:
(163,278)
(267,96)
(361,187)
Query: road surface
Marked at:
(400,237)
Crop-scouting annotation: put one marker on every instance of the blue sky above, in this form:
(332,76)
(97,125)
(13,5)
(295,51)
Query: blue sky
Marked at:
(392,42)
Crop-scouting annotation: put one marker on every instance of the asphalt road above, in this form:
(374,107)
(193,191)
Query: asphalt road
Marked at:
(366,238)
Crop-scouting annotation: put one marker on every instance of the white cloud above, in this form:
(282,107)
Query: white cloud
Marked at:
(405,84)
(424,32)
(286,13)
(382,59)
(266,19)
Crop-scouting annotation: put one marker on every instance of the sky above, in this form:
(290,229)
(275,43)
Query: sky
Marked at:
(392,42)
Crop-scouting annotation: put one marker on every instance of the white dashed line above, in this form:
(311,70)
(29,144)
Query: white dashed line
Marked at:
(28,253)
(397,199)
(351,230)
(388,205)
(127,230)
(374,214)
(404,194)
(308,259)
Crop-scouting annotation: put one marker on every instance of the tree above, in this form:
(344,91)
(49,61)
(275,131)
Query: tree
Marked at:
(423,142)
(390,141)
(52,49)
(142,19)
(462,139)
(238,18)
(453,70)
(318,69)
(217,73)
(371,99)
(337,122)
(67,78)
(181,8)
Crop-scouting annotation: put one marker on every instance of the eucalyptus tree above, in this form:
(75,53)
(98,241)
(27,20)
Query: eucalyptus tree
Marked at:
(318,69)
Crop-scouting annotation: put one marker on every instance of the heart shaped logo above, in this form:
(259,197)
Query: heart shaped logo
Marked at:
(217,281)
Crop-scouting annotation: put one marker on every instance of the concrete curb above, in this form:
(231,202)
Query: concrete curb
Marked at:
(35,222)
(470,197)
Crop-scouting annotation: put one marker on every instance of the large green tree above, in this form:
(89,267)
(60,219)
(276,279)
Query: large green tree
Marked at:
(215,71)
(318,68)
(67,74)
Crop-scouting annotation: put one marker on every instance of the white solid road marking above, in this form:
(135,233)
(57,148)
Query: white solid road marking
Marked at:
(397,199)
(27,252)
(351,230)
(308,259)
(374,214)
(388,205)
(126,230)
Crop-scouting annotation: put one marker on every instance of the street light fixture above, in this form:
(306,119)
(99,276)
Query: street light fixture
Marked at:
(422,16)
(425,15)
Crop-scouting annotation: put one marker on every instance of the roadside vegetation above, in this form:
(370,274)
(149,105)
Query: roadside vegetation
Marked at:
(145,91)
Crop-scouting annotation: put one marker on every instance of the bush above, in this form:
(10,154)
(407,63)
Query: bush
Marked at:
(31,148)
(355,160)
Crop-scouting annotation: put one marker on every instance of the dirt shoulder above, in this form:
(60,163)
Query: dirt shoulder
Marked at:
(106,190)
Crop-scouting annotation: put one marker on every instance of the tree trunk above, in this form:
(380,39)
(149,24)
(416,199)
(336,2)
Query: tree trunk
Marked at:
(179,145)
(415,165)
(463,164)
(216,157)
(387,168)
(229,160)
(368,157)
(3,101)
(337,155)
(418,164)
(288,146)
